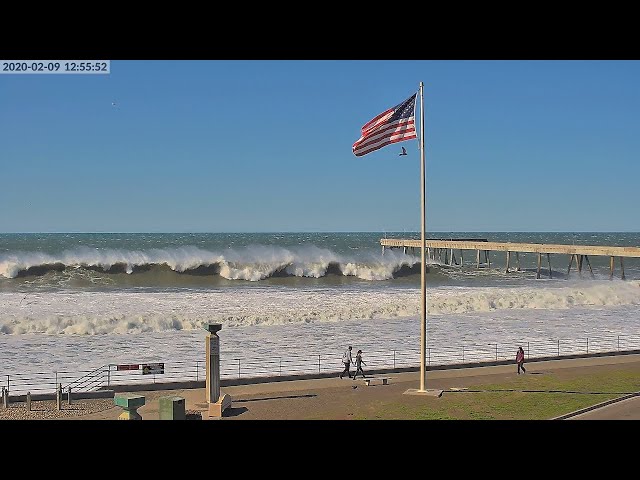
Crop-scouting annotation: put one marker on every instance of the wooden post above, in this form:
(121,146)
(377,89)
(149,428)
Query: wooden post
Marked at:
(508,257)
(622,268)
(478,257)
(586,257)
(487,258)
(570,262)
(461,258)
(518,261)
(539,262)
(611,267)
(549,261)
(579,262)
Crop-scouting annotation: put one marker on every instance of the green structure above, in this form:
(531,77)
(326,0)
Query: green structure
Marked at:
(130,403)
(172,408)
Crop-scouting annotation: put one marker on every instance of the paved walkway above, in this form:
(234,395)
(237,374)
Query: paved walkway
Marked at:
(340,399)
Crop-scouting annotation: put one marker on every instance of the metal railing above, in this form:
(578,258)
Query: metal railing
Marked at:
(234,367)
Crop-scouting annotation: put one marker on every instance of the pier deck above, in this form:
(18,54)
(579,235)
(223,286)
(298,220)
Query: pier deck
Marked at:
(579,253)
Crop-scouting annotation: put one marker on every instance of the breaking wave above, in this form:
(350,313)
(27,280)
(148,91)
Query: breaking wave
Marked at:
(253,263)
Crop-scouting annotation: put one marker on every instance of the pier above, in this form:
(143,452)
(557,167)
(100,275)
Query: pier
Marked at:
(444,250)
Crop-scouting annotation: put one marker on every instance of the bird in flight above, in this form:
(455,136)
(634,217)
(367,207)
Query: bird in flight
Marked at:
(404,152)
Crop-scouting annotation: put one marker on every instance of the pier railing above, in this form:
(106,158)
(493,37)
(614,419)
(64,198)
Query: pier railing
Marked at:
(238,368)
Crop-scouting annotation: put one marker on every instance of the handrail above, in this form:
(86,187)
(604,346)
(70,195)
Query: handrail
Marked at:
(234,366)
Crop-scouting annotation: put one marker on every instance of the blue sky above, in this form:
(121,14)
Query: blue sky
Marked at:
(260,146)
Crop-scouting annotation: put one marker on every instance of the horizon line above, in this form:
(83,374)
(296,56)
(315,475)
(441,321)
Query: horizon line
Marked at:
(306,231)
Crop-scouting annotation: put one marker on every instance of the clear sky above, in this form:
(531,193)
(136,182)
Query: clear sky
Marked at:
(265,145)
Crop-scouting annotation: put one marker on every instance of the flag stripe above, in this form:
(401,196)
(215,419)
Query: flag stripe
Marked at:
(384,116)
(384,144)
(392,129)
(394,125)
(370,147)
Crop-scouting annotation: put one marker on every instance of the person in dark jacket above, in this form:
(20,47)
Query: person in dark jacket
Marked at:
(520,360)
(359,363)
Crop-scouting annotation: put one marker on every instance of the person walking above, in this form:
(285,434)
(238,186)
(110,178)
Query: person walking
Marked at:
(520,360)
(346,361)
(359,363)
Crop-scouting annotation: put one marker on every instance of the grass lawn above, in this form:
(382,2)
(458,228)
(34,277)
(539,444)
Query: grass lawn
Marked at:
(528,397)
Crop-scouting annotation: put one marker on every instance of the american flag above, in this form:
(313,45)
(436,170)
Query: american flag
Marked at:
(394,125)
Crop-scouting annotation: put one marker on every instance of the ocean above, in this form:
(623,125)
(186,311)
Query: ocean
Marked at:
(291,302)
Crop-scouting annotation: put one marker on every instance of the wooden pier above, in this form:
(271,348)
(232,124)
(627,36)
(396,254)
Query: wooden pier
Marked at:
(444,250)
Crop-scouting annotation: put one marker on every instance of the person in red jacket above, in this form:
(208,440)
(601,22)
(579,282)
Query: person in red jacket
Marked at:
(520,360)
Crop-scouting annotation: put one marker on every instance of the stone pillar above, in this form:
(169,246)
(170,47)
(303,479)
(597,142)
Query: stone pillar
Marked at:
(217,401)
(213,363)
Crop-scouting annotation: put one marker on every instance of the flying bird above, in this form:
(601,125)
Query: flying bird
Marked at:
(404,152)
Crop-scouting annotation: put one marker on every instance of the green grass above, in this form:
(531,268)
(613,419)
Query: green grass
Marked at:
(528,397)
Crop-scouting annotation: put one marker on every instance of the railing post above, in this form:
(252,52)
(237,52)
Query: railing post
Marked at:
(238,368)
(618,342)
(69,395)
(496,352)
(463,354)
(197,363)
(429,355)
(280,373)
(394,359)
(59,397)
(28,401)
(558,347)
(587,345)
(109,376)
(56,378)
(527,350)
(318,363)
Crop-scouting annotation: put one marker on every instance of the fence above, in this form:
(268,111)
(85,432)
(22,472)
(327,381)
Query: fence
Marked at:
(320,364)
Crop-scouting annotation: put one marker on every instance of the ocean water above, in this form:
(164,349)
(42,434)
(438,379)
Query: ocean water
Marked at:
(74,302)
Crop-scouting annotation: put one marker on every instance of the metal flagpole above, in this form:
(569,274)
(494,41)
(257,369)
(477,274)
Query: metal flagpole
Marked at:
(423,268)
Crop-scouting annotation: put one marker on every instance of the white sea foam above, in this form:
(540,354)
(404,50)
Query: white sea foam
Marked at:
(137,311)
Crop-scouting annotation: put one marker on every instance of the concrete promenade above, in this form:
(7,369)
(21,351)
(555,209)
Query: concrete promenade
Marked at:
(337,399)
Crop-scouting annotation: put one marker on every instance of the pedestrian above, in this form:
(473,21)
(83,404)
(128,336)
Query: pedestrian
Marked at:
(346,361)
(520,360)
(359,363)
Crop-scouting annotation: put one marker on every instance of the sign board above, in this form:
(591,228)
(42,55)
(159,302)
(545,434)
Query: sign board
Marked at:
(152,368)
(128,367)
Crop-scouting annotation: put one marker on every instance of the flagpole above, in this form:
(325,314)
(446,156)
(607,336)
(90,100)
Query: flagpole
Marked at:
(423,268)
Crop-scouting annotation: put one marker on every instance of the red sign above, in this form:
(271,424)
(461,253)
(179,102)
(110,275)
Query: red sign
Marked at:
(128,367)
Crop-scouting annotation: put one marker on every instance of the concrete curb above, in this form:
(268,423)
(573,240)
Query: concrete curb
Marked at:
(596,406)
